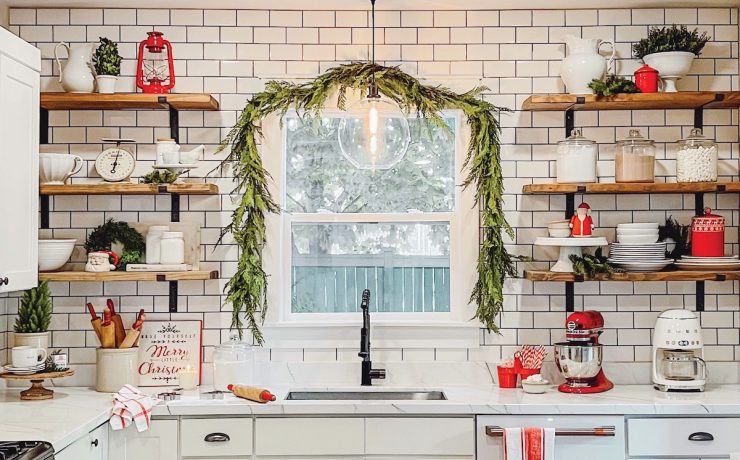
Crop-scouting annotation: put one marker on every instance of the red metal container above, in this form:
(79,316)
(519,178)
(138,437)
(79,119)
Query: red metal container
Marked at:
(646,79)
(708,235)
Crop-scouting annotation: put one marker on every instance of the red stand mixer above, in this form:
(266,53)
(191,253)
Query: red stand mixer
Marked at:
(579,359)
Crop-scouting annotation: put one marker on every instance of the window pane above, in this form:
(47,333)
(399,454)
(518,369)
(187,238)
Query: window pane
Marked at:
(320,179)
(406,266)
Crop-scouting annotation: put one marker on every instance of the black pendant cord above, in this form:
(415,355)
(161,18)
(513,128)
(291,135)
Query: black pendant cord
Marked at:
(373,90)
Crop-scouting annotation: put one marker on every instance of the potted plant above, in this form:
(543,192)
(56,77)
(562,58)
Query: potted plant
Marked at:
(670,51)
(34,316)
(107,64)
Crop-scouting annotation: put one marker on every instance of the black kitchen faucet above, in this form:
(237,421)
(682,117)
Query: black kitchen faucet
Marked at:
(368,373)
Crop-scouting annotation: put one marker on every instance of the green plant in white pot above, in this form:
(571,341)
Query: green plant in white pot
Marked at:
(670,51)
(107,64)
(34,316)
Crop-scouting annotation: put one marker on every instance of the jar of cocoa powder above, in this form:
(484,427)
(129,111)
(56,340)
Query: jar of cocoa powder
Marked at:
(634,159)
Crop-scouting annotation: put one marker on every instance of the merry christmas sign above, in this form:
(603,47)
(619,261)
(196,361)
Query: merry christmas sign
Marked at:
(165,347)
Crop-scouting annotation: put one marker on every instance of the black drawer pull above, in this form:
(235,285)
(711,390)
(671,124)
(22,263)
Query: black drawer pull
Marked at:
(4,281)
(95,443)
(217,437)
(701,436)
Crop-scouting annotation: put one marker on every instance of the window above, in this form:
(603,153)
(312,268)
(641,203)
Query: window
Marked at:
(409,234)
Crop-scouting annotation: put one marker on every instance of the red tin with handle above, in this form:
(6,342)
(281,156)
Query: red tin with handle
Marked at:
(646,79)
(708,235)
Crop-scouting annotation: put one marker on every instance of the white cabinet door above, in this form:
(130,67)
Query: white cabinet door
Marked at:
(159,442)
(92,446)
(19,177)
(431,437)
(321,437)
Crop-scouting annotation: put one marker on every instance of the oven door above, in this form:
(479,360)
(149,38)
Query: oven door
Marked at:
(578,437)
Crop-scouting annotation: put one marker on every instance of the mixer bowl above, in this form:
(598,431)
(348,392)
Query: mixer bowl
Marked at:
(578,361)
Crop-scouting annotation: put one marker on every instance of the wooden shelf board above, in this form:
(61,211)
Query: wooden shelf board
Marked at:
(543,275)
(129,276)
(120,101)
(658,187)
(640,101)
(129,189)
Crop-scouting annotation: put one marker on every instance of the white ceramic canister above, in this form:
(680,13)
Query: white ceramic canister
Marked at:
(168,151)
(154,243)
(172,248)
(233,362)
(116,367)
(576,159)
(32,339)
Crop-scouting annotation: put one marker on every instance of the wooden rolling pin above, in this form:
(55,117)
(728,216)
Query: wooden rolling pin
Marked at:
(96,322)
(108,331)
(117,324)
(255,394)
(133,334)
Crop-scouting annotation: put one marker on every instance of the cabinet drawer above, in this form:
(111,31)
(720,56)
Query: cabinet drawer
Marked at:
(420,436)
(209,437)
(310,436)
(670,436)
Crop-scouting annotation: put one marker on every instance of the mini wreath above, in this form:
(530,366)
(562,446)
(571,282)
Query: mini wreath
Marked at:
(103,237)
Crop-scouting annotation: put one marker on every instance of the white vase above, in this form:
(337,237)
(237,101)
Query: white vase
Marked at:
(77,74)
(584,63)
(671,66)
(32,339)
(106,84)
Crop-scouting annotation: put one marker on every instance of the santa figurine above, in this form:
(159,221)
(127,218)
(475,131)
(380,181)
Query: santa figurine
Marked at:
(581,224)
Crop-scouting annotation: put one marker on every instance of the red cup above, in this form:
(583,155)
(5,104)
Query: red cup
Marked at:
(524,372)
(507,377)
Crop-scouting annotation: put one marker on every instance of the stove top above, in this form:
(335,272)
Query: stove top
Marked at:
(26,450)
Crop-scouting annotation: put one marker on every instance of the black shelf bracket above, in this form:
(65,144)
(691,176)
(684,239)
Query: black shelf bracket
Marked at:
(175,207)
(700,290)
(43,126)
(172,294)
(570,121)
(570,297)
(174,119)
(44,209)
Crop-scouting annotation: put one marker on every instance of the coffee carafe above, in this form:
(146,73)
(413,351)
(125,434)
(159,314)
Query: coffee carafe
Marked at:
(678,363)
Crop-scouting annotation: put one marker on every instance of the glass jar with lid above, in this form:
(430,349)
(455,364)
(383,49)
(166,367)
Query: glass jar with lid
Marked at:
(634,159)
(696,158)
(233,362)
(576,159)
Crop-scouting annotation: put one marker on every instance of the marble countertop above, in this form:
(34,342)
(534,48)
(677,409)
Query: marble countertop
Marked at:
(76,411)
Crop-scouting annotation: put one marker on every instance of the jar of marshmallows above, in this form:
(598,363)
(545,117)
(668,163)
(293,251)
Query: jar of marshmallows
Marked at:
(696,158)
(576,159)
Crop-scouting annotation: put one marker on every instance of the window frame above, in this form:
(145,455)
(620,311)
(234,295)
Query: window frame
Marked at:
(454,325)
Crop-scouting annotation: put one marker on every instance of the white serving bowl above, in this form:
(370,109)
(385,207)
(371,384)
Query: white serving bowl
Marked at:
(636,231)
(641,225)
(670,63)
(54,253)
(535,388)
(559,224)
(559,232)
(637,239)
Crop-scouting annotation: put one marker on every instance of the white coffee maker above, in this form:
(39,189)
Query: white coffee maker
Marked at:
(677,352)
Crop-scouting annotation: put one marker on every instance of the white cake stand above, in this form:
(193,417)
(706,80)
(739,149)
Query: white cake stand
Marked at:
(569,246)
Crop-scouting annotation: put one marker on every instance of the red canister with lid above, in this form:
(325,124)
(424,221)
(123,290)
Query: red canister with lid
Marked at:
(646,79)
(708,235)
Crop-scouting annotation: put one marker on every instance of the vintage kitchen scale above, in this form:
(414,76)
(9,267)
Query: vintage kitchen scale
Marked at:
(116,164)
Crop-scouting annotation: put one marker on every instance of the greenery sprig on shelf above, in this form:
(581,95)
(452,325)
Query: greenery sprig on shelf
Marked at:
(673,38)
(679,234)
(246,290)
(106,59)
(592,265)
(34,313)
(612,85)
(160,177)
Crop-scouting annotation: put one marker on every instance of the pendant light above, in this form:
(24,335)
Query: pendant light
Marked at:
(374,132)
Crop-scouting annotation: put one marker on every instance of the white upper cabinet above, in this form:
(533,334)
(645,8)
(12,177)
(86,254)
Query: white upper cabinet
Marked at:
(20,65)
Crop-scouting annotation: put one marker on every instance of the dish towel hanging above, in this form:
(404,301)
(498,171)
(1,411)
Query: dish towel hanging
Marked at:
(529,443)
(131,405)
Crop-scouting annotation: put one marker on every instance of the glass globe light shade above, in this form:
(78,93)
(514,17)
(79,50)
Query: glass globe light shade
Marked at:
(374,134)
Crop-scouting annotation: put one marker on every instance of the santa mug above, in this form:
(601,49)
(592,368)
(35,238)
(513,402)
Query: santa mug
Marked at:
(581,224)
(99,261)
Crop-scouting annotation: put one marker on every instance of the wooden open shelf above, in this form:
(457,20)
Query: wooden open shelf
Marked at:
(130,276)
(119,101)
(639,101)
(544,275)
(129,189)
(662,187)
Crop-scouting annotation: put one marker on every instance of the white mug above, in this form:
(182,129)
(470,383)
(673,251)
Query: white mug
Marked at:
(27,356)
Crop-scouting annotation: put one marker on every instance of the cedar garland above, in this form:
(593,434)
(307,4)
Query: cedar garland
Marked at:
(246,290)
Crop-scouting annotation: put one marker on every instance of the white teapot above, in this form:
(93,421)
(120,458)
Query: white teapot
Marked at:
(77,76)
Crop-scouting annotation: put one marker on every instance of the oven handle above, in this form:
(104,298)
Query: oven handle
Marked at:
(497,431)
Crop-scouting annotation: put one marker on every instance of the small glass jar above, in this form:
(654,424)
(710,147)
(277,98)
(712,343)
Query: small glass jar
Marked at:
(634,159)
(233,362)
(696,159)
(154,243)
(172,248)
(576,159)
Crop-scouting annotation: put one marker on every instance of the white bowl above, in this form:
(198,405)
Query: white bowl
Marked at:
(636,231)
(637,239)
(53,254)
(670,63)
(642,225)
(558,224)
(559,232)
(535,388)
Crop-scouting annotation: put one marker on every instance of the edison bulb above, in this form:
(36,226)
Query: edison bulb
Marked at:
(374,134)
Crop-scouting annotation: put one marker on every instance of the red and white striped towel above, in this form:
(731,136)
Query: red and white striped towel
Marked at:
(529,443)
(131,405)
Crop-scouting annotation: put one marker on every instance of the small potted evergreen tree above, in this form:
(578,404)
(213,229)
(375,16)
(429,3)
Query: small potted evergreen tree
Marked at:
(670,51)
(34,316)
(107,64)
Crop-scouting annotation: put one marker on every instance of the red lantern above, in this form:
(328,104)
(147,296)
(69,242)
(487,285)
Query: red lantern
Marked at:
(155,72)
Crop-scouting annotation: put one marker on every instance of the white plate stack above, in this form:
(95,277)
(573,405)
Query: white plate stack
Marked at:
(637,249)
(10,369)
(729,263)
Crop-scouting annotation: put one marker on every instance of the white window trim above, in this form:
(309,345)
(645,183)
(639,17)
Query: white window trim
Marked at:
(455,329)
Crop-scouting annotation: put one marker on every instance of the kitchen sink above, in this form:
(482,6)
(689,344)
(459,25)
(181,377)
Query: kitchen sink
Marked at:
(366,396)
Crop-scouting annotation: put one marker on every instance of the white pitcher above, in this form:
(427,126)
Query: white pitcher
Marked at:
(584,63)
(78,75)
